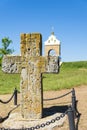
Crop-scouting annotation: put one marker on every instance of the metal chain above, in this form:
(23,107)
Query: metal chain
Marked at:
(47,123)
(58,97)
(5,102)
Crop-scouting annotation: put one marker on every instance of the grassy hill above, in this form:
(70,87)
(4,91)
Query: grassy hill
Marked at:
(71,74)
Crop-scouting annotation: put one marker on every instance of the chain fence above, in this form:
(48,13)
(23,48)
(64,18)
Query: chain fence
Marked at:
(71,112)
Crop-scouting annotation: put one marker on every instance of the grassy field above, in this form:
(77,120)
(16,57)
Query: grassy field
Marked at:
(71,74)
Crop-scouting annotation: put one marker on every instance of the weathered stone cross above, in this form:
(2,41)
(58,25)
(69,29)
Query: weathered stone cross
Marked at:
(33,65)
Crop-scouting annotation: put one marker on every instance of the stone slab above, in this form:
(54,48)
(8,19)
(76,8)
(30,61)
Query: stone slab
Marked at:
(15,121)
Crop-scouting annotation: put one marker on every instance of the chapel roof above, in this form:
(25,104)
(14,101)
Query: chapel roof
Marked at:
(52,40)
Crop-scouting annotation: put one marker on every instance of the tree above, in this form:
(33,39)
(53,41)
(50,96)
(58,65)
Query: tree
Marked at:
(5,47)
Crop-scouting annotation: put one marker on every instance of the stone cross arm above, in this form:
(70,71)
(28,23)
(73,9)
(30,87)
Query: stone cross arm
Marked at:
(43,64)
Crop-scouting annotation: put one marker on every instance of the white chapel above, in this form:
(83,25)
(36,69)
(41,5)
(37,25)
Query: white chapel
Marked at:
(52,46)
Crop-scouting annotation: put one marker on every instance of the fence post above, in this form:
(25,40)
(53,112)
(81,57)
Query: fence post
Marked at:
(15,96)
(73,100)
(71,118)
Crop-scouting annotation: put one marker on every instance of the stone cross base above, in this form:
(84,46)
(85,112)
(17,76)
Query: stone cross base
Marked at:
(16,121)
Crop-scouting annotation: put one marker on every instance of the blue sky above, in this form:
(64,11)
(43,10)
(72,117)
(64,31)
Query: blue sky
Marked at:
(68,17)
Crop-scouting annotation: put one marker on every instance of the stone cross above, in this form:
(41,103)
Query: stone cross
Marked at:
(33,65)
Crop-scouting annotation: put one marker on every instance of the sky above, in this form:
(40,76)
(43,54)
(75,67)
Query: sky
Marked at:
(67,17)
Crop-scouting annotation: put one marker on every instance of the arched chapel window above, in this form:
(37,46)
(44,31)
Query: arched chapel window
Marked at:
(52,52)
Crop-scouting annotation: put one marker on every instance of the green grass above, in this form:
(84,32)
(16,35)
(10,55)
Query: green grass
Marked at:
(8,82)
(71,74)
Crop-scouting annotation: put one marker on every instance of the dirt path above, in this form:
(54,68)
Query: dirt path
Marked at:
(81,95)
